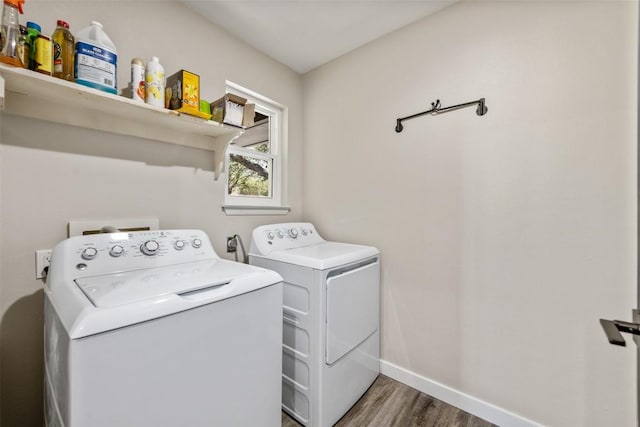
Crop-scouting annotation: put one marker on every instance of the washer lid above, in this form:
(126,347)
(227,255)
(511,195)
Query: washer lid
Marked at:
(324,255)
(95,304)
(112,290)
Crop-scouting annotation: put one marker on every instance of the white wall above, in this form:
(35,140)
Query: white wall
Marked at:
(504,237)
(50,174)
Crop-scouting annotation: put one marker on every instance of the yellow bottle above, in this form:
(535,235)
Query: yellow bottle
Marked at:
(63,51)
(43,54)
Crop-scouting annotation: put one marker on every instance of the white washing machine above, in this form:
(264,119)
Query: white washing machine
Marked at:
(154,329)
(331,312)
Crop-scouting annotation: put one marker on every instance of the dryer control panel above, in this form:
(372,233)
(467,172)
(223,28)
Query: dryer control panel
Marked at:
(275,237)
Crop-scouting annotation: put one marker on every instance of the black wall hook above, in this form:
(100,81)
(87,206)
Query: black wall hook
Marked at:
(436,109)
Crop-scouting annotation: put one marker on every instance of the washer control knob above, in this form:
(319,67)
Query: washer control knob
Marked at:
(270,235)
(150,247)
(293,233)
(116,251)
(304,232)
(179,245)
(89,253)
(196,243)
(280,234)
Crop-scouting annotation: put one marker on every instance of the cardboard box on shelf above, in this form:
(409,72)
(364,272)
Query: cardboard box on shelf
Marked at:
(182,92)
(249,114)
(233,110)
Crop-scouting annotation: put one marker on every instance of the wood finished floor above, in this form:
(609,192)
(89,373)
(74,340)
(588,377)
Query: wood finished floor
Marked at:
(389,403)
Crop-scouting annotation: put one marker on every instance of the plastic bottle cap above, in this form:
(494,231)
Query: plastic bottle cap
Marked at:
(154,59)
(96,23)
(62,23)
(16,3)
(34,26)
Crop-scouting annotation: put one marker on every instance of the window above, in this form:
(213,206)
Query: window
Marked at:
(256,161)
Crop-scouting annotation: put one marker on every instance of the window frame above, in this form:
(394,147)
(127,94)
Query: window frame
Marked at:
(257,205)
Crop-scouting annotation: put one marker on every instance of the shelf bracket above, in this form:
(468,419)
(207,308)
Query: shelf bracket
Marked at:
(221,143)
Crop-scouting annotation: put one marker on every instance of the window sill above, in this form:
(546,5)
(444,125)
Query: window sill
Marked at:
(255,210)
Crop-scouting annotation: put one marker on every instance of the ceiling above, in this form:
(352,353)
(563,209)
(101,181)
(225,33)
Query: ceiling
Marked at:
(304,34)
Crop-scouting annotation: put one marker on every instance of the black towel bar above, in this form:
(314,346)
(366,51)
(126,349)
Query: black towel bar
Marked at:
(436,109)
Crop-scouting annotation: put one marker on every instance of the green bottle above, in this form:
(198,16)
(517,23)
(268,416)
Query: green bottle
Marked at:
(33,30)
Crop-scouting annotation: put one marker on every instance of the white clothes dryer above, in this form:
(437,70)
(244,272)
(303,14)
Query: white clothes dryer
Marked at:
(154,329)
(331,312)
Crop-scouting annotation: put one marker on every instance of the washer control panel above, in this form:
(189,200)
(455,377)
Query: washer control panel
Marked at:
(269,238)
(116,252)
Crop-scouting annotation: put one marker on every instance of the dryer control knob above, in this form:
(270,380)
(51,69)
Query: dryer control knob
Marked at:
(293,233)
(116,251)
(89,253)
(304,232)
(196,243)
(280,234)
(270,236)
(150,247)
(179,245)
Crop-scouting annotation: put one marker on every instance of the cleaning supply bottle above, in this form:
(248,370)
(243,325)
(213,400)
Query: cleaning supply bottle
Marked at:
(10,32)
(155,82)
(24,47)
(137,80)
(33,30)
(43,59)
(63,51)
(96,59)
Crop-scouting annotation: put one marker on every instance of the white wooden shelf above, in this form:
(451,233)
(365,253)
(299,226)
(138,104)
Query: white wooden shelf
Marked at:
(31,94)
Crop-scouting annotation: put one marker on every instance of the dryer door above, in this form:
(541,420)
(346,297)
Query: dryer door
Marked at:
(353,307)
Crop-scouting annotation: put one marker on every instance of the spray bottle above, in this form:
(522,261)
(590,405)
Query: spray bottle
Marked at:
(10,32)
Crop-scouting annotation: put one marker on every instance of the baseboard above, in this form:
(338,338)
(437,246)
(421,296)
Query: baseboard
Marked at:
(477,407)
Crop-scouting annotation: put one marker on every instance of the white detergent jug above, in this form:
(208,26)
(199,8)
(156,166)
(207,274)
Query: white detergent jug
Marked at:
(96,59)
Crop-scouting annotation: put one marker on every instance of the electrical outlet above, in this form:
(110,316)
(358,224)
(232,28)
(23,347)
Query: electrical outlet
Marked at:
(232,244)
(43,259)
